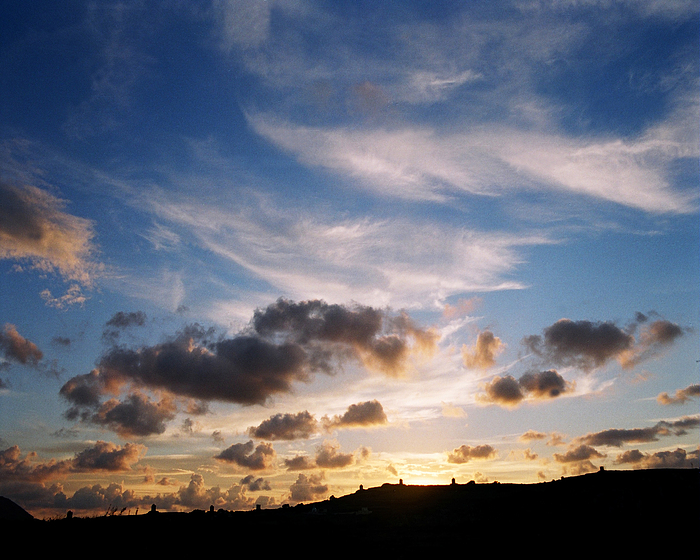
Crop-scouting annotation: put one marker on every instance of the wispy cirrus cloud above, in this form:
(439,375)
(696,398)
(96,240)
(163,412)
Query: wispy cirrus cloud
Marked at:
(426,164)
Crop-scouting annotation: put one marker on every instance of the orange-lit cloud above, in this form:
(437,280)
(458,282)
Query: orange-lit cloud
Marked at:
(465,453)
(483,353)
(681,396)
(364,414)
(286,343)
(248,455)
(286,427)
(508,391)
(16,348)
(34,228)
(307,488)
(328,456)
(677,459)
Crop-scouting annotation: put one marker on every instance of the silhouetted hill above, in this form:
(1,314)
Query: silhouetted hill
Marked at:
(628,511)
(10,511)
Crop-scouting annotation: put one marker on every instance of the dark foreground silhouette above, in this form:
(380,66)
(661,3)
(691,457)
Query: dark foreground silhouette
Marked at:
(624,511)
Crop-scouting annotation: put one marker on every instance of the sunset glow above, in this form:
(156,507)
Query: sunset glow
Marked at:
(264,252)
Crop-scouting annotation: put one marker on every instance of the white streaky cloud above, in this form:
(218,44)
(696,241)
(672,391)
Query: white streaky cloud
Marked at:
(396,262)
(421,164)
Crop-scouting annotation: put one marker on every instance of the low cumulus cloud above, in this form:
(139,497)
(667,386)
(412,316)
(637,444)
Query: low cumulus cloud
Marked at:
(102,457)
(120,321)
(681,396)
(465,453)
(579,459)
(364,414)
(303,425)
(509,392)
(286,427)
(16,348)
(285,343)
(676,459)
(328,456)
(615,437)
(588,345)
(255,484)
(307,488)
(249,456)
(34,228)
(483,354)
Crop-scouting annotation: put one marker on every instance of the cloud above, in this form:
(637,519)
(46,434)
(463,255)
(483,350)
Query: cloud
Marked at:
(286,427)
(581,453)
(681,396)
(677,459)
(381,342)
(508,391)
(483,354)
(102,457)
(423,164)
(285,343)
(364,414)
(122,320)
(16,348)
(328,456)
(136,416)
(588,345)
(248,455)
(653,338)
(465,453)
(255,484)
(615,437)
(532,435)
(106,456)
(307,488)
(397,262)
(35,228)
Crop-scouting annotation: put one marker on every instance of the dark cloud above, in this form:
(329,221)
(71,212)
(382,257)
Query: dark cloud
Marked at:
(255,484)
(106,456)
(578,460)
(681,396)
(677,459)
(285,343)
(34,228)
(248,455)
(123,320)
(508,391)
(102,457)
(618,437)
(307,489)
(466,453)
(380,341)
(16,348)
(136,416)
(286,427)
(61,341)
(582,344)
(120,321)
(588,345)
(328,456)
(364,414)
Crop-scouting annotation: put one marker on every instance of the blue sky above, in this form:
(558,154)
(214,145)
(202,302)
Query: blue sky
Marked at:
(265,252)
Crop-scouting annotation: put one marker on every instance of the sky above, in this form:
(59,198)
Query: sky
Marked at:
(265,252)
